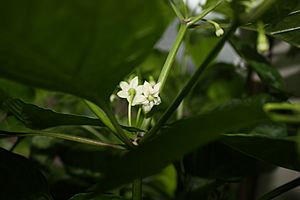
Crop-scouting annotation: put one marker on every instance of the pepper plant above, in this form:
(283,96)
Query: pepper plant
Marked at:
(91,107)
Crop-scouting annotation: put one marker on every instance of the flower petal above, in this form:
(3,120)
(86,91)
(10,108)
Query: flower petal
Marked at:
(122,94)
(146,88)
(138,99)
(157,101)
(157,88)
(139,90)
(134,82)
(124,85)
(147,107)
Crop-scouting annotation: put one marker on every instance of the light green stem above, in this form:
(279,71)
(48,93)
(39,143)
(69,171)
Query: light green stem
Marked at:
(138,116)
(189,85)
(62,136)
(204,13)
(137,189)
(129,113)
(171,57)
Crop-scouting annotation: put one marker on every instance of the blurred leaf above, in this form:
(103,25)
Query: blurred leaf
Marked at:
(199,44)
(267,73)
(13,89)
(282,21)
(198,131)
(20,179)
(166,181)
(281,151)
(76,46)
(218,161)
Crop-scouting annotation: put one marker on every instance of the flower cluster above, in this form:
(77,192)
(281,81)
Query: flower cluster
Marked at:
(146,95)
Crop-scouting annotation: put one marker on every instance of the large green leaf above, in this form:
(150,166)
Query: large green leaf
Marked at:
(281,151)
(20,179)
(181,138)
(86,196)
(81,47)
(35,117)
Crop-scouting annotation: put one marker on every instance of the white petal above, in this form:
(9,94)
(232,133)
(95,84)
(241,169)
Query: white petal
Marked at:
(122,94)
(124,86)
(157,88)
(147,107)
(139,89)
(146,88)
(138,99)
(157,101)
(134,82)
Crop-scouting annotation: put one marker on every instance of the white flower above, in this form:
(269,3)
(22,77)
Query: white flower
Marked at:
(219,32)
(131,91)
(150,96)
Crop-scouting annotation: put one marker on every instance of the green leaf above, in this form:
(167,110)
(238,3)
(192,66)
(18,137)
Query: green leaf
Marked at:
(267,73)
(35,117)
(20,179)
(80,47)
(181,138)
(281,151)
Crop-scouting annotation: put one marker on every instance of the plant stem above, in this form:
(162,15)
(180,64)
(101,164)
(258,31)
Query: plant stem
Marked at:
(172,55)
(129,113)
(203,14)
(137,189)
(137,122)
(189,85)
(61,136)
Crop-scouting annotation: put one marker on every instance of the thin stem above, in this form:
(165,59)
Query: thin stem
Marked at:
(203,14)
(282,189)
(137,189)
(172,55)
(138,116)
(176,10)
(189,85)
(129,114)
(119,131)
(62,136)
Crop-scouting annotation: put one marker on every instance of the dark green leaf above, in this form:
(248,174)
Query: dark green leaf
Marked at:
(20,179)
(181,138)
(267,73)
(39,118)
(281,151)
(81,47)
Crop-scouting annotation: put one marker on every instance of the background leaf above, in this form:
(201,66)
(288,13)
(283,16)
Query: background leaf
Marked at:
(83,48)
(181,138)
(20,179)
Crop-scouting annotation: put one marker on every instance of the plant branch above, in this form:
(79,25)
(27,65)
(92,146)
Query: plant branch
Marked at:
(282,189)
(106,116)
(197,18)
(190,84)
(172,55)
(61,136)
(137,189)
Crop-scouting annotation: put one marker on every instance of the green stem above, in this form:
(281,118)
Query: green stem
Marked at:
(137,189)
(129,114)
(119,131)
(189,85)
(62,136)
(138,116)
(280,190)
(204,13)
(172,55)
